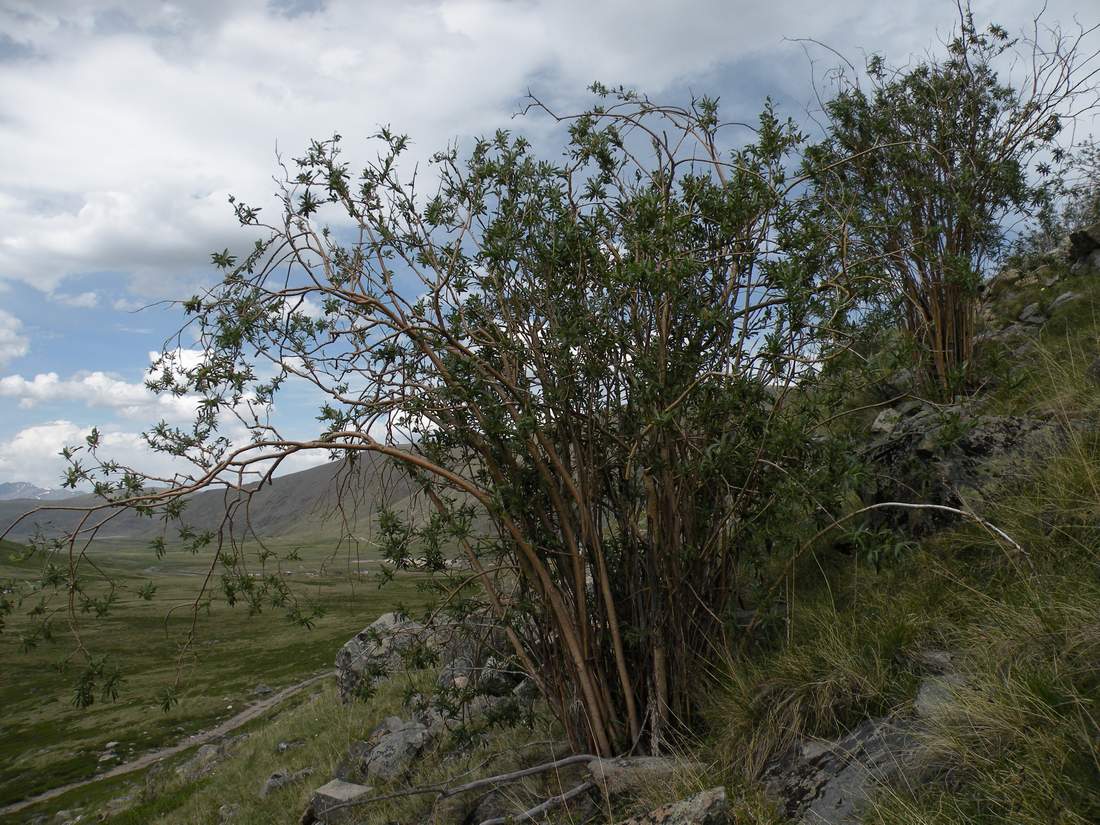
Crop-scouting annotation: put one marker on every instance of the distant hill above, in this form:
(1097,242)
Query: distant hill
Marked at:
(10,490)
(320,502)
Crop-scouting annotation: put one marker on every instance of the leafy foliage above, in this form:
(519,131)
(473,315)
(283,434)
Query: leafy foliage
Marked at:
(927,166)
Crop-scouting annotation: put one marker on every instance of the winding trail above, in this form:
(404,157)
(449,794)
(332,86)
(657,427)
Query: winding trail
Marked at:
(195,739)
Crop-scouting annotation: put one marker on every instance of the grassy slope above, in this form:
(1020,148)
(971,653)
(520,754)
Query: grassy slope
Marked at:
(45,741)
(1020,743)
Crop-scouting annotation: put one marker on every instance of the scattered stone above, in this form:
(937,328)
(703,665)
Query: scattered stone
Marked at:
(280,779)
(706,808)
(910,406)
(110,746)
(885,421)
(283,747)
(1047,275)
(937,661)
(324,806)
(526,692)
(228,813)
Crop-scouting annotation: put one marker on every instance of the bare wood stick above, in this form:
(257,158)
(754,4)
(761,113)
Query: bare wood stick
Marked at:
(446,792)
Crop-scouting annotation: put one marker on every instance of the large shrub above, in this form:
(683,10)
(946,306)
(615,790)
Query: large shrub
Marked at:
(598,371)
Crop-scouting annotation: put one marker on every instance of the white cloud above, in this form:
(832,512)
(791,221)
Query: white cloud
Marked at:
(98,389)
(170,106)
(128,305)
(13,344)
(33,453)
(82,300)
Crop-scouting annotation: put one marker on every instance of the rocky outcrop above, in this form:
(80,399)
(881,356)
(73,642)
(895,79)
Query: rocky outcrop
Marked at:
(472,654)
(834,782)
(707,808)
(949,456)
(375,652)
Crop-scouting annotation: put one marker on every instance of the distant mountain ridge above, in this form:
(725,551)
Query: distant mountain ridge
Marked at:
(321,502)
(10,490)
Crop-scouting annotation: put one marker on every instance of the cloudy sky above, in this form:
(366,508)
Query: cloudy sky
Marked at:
(124,126)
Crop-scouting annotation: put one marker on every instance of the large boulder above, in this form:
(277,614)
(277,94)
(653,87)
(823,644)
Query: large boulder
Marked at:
(474,655)
(707,808)
(375,652)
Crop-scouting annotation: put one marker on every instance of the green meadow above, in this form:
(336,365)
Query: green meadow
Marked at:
(47,741)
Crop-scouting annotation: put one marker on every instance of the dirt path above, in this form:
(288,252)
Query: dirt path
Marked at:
(195,739)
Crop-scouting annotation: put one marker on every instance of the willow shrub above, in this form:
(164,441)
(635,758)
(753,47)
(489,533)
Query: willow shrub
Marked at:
(598,372)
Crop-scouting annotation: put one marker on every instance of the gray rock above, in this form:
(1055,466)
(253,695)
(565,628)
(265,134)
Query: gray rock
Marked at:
(394,751)
(375,652)
(386,754)
(280,779)
(283,747)
(935,694)
(834,782)
(931,457)
(885,421)
(937,661)
(1031,314)
(1047,275)
(207,758)
(1061,300)
(263,690)
(228,813)
(325,804)
(707,808)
